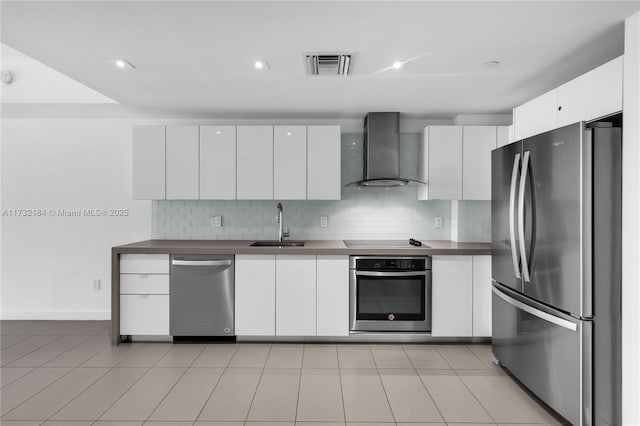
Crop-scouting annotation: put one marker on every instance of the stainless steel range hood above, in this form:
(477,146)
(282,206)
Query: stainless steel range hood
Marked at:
(382,151)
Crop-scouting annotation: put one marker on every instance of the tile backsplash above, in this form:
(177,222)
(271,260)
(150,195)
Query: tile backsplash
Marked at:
(362,213)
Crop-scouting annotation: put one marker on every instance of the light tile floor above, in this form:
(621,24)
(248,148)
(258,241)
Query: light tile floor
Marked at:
(66,373)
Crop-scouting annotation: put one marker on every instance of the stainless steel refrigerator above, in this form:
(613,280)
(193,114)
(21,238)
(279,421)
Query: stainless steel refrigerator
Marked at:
(556,232)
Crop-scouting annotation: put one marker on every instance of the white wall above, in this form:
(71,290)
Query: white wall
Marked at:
(49,263)
(631,225)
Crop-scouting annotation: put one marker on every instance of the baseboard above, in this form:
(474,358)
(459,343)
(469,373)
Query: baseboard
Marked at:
(57,316)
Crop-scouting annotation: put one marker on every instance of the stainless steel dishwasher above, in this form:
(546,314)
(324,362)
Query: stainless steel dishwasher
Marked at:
(202,295)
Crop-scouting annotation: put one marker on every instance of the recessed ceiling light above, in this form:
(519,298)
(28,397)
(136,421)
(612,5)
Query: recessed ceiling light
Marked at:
(261,65)
(218,132)
(288,133)
(123,63)
(397,65)
(491,64)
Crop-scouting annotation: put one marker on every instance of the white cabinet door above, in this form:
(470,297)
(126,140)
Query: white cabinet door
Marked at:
(504,135)
(290,162)
(423,165)
(592,95)
(144,283)
(182,163)
(254,163)
(536,116)
(144,314)
(323,163)
(296,295)
(135,263)
(255,295)
(452,304)
(148,162)
(332,294)
(477,143)
(444,156)
(482,296)
(217,162)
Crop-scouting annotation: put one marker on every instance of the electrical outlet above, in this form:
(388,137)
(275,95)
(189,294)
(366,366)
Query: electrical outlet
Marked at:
(324,221)
(437,222)
(216,221)
(97,284)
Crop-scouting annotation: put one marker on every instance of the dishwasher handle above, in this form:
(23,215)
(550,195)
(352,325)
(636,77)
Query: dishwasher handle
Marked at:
(177,262)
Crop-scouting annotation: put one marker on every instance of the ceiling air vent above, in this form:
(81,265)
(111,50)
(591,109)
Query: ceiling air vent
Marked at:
(327,63)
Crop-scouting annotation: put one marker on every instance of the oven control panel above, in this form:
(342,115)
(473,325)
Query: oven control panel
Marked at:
(421,263)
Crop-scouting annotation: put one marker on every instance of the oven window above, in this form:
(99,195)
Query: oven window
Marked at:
(378,297)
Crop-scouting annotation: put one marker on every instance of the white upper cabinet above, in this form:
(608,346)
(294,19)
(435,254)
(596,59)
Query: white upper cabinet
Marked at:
(477,143)
(504,135)
(243,162)
(254,163)
(441,163)
(536,116)
(217,162)
(592,95)
(323,163)
(296,295)
(182,162)
(148,162)
(290,162)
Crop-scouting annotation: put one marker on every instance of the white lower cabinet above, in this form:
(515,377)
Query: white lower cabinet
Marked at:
(144,294)
(461,296)
(144,314)
(296,295)
(481,296)
(332,296)
(255,295)
(452,301)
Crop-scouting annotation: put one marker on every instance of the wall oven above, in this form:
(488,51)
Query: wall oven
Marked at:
(390,293)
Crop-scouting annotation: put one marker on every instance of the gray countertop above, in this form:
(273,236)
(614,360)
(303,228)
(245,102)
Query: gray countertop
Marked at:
(314,247)
(436,247)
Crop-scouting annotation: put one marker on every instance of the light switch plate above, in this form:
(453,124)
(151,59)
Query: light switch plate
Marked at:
(437,222)
(324,221)
(216,221)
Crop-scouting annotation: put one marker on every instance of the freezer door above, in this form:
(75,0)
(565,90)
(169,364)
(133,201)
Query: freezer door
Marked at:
(549,352)
(505,172)
(554,218)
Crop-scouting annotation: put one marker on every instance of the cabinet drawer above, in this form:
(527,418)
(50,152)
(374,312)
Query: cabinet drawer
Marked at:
(144,284)
(143,314)
(144,264)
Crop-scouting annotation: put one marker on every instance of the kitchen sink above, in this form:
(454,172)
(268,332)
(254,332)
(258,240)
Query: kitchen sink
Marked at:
(278,244)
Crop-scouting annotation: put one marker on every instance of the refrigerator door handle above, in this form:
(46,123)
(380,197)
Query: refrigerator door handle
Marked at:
(535,312)
(512,226)
(523,249)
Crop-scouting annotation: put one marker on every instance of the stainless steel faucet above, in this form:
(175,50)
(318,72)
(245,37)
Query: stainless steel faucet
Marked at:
(281,234)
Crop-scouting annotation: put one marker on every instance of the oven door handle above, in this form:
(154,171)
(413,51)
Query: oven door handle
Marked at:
(391,274)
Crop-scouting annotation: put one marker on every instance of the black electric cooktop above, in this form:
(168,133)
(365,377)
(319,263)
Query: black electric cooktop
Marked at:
(409,243)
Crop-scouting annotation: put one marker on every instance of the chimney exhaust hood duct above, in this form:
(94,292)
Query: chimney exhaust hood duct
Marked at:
(382,152)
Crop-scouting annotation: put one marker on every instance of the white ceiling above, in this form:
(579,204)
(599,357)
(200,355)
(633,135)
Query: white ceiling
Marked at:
(35,82)
(196,58)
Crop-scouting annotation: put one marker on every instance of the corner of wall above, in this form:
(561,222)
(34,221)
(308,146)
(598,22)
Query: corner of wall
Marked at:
(630,225)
